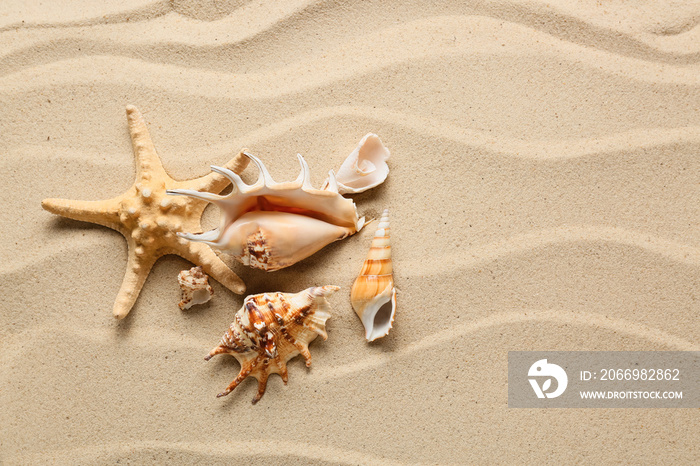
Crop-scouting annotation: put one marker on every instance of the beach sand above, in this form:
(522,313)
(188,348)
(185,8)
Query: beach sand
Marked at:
(544,195)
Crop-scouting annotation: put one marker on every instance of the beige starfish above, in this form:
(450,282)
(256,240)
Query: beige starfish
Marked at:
(150,220)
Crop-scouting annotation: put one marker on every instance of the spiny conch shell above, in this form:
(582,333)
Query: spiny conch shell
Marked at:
(272,328)
(195,287)
(373,295)
(364,168)
(271,225)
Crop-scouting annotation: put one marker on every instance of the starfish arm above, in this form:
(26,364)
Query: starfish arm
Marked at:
(137,269)
(101,212)
(147,160)
(214,182)
(203,255)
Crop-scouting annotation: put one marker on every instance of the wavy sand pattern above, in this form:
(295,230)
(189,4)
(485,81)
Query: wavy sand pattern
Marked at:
(544,194)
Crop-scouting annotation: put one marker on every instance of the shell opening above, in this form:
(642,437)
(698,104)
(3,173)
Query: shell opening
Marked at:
(378,315)
(200,297)
(365,167)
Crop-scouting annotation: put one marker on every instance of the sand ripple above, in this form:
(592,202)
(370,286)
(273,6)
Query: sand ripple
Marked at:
(671,36)
(469,257)
(207,452)
(537,149)
(450,36)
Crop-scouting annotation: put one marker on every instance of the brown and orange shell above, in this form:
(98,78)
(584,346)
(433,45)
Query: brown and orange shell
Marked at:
(272,328)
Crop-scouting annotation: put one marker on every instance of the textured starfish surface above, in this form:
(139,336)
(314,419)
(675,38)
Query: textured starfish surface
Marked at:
(150,220)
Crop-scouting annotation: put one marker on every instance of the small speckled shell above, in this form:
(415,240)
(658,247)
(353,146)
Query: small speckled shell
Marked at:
(195,287)
(272,328)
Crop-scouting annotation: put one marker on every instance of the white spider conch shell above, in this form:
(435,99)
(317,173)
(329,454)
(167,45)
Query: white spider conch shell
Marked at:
(195,287)
(365,167)
(271,225)
(373,294)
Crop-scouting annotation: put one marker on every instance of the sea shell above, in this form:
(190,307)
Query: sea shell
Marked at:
(365,167)
(271,225)
(272,328)
(195,287)
(373,294)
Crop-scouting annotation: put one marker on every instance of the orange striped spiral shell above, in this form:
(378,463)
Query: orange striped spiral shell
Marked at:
(373,294)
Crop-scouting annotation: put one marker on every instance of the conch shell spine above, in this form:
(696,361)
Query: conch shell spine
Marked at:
(373,294)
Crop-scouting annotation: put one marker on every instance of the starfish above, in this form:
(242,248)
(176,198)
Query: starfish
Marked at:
(150,220)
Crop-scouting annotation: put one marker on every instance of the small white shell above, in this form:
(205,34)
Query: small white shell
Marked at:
(195,287)
(365,167)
